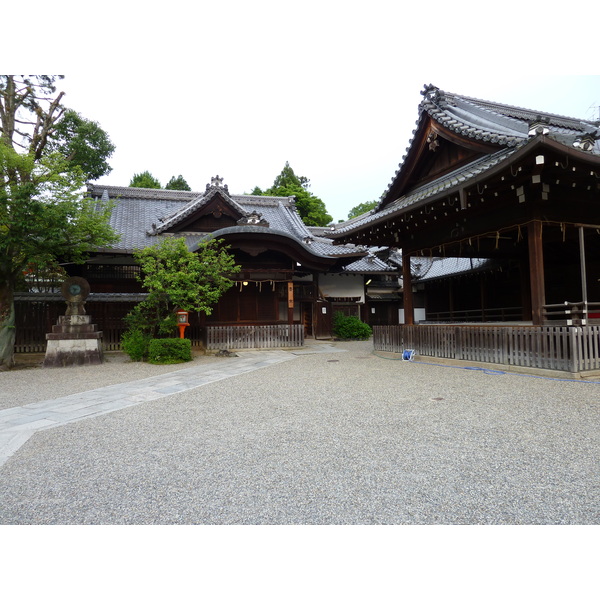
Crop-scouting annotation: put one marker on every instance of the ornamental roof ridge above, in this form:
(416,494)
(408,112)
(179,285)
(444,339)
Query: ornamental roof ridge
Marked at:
(260,198)
(463,116)
(516,114)
(292,218)
(195,204)
(114,191)
(527,114)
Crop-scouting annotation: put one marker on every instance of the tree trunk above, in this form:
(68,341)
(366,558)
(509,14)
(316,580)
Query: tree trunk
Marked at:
(7,327)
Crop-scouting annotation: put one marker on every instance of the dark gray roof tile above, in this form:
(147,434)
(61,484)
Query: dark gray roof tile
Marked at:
(136,210)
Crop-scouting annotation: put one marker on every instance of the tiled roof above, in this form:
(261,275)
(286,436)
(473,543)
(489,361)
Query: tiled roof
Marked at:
(424,192)
(369,264)
(500,124)
(507,127)
(143,216)
(193,205)
(424,268)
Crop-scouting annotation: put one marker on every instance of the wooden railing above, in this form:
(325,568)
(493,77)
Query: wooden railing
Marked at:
(511,313)
(239,337)
(572,313)
(572,349)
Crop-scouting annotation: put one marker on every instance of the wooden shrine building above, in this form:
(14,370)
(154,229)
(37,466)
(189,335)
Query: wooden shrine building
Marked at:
(510,187)
(277,290)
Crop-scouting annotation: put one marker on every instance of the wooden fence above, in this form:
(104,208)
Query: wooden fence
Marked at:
(238,337)
(572,349)
(36,314)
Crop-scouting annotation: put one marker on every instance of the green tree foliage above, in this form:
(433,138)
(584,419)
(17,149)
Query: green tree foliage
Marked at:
(177,279)
(362,208)
(178,183)
(82,143)
(44,163)
(145,180)
(311,209)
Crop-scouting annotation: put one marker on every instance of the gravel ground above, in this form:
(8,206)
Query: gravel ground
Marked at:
(344,438)
(28,382)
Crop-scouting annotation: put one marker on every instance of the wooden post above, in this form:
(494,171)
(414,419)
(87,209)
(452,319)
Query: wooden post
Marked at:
(482,296)
(409,314)
(584,295)
(290,295)
(536,271)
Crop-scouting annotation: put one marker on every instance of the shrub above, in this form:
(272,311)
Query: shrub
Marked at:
(169,351)
(350,328)
(135,344)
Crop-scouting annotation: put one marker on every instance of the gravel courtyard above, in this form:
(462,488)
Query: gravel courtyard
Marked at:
(348,437)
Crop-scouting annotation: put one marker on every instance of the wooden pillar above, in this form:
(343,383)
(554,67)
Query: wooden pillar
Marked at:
(525,288)
(584,295)
(536,271)
(409,313)
(482,296)
(290,295)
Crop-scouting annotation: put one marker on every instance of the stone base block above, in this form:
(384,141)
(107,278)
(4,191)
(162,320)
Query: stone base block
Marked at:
(73,352)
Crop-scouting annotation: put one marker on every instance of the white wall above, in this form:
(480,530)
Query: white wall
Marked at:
(419,315)
(342,286)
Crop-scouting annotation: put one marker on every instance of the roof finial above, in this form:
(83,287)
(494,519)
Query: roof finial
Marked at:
(216,181)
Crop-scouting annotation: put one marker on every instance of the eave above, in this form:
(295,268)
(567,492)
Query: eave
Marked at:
(281,241)
(369,231)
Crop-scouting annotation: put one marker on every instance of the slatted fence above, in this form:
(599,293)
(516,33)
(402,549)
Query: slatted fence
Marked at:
(35,314)
(239,337)
(561,348)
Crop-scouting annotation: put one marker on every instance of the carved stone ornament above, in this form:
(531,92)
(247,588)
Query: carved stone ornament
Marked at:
(74,339)
(75,290)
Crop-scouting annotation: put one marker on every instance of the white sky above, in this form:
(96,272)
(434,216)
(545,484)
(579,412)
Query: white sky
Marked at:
(238,88)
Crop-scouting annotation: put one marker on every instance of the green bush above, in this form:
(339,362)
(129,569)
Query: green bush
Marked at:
(135,344)
(350,328)
(169,351)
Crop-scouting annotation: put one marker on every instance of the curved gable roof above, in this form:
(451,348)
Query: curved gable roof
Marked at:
(490,125)
(144,216)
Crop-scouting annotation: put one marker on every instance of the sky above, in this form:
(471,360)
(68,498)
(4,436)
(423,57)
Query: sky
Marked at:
(236,89)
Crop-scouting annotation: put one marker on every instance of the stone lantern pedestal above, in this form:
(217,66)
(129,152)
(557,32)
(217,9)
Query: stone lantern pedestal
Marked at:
(74,339)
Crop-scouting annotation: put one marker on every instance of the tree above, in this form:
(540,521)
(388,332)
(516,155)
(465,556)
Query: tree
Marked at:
(82,143)
(310,208)
(178,183)
(44,163)
(145,180)
(362,208)
(177,279)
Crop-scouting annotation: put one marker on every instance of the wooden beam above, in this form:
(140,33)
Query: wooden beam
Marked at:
(409,313)
(536,271)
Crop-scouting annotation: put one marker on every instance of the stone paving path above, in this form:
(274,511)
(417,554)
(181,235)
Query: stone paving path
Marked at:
(19,423)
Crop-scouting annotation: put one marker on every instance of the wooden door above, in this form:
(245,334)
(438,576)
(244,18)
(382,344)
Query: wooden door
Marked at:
(323,319)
